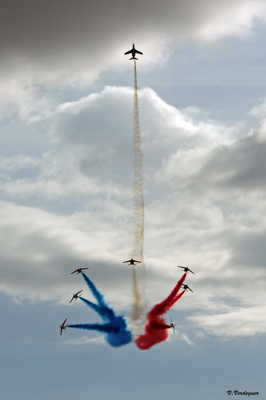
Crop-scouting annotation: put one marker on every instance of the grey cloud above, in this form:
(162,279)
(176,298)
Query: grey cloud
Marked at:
(78,39)
(37,261)
(231,285)
(240,166)
(192,221)
(248,249)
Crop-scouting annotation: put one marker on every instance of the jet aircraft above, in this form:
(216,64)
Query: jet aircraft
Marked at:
(62,326)
(133,51)
(186,287)
(186,269)
(131,261)
(75,296)
(172,325)
(78,270)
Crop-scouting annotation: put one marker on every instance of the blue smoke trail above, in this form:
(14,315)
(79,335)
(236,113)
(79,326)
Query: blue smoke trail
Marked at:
(96,327)
(115,328)
(98,296)
(105,312)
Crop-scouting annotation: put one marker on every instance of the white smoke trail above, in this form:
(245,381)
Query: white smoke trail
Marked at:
(138,198)
(138,207)
(137,308)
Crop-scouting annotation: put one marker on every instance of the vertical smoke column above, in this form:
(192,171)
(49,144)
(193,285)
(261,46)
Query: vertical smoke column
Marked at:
(138,198)
(138,204)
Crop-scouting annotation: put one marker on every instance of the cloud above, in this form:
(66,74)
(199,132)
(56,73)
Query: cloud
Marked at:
(40,249)
(98,152)
(239,166)
(24,100)
(101,146)
(195,213)
(241,322)
(234,21)
(76,41)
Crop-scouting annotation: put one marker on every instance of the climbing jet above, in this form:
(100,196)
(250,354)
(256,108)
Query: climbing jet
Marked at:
(133,51)
(63,327)
(78,270)
(131,261)
(186,287)
(75,296)
(186,269)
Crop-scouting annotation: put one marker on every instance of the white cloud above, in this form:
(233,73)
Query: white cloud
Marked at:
(235,21)
(28,102)
(247,321)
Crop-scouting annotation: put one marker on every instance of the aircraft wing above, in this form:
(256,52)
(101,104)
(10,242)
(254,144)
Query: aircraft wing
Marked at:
(126,261)
(139,52)
(128,52)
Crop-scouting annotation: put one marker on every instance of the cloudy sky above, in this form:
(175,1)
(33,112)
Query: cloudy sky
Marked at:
(66,109)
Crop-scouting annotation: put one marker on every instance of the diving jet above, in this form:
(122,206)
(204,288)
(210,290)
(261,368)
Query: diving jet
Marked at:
(172,325)
(63,327)
(78,270)
(133,51)
(186,269)
(75,296)
(186,287)
(131,261)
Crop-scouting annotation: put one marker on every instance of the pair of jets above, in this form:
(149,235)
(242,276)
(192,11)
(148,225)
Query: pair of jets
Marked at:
(133,51)
(74,297)
(186,269)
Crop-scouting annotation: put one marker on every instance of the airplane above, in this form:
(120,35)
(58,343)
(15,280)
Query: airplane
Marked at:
(63,327)
(133,51)
(75,296)
(186,287)
(186,269)
(172,325)
(131,261)
(78,270)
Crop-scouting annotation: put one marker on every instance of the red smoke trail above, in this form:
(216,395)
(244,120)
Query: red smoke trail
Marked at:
(156,327)
(163,307)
